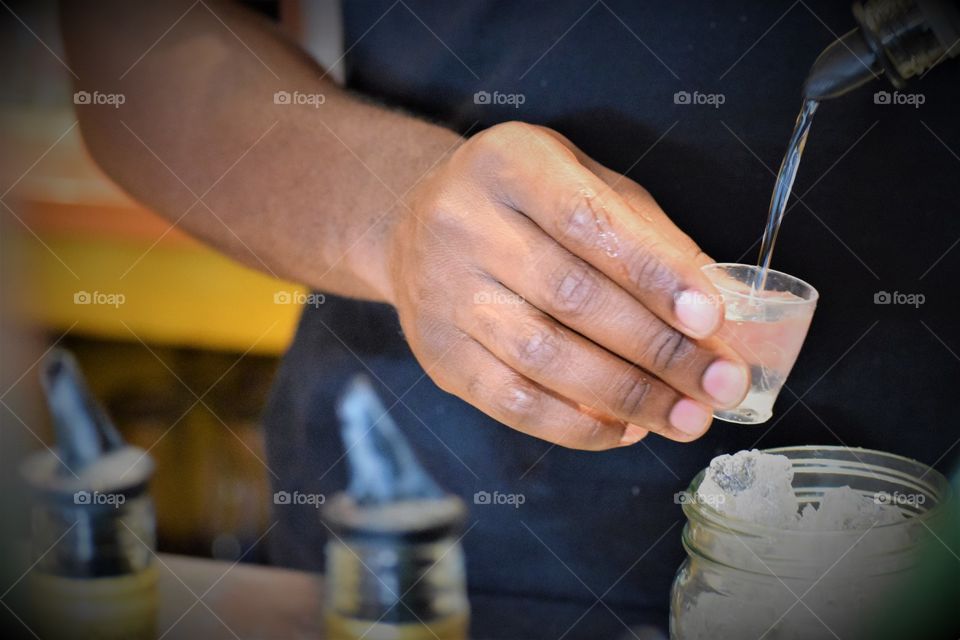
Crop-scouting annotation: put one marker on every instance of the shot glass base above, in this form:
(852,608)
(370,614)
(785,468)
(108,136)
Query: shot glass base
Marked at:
(743,415)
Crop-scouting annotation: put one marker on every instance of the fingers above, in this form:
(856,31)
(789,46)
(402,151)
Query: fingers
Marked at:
(545,182)
(580,297)
(536,346)
(513,399)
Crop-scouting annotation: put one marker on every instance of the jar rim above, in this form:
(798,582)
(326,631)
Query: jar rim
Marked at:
(709,532)
(695,509)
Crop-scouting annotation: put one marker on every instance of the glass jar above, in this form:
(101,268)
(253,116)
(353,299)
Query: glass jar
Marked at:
(744,580)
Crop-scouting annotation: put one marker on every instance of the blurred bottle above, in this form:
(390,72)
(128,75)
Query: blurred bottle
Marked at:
(395,567)
(92,520)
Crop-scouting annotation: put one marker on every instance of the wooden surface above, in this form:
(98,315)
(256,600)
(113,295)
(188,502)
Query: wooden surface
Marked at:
(213,600)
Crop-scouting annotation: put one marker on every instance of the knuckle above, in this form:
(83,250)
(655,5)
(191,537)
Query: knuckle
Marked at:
(668,349)
(591,434)
(632,393)
(512,130)
(640,193)
(648,272)
(517,400)
(431,334)
(538,345)
(577,220)
(440,217)
(574,289)
(490,149)
(487,322)
(475,387)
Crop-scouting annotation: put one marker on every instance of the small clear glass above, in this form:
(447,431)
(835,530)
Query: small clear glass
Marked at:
(766,327)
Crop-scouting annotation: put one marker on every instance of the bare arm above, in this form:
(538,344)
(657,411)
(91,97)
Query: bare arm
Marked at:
(549,291)
(307,193)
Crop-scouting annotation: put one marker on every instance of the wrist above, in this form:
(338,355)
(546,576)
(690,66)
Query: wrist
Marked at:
(394,235)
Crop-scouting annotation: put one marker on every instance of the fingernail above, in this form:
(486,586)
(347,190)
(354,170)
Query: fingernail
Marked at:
(697,311)
(632,435)
(690,417)
(726,382)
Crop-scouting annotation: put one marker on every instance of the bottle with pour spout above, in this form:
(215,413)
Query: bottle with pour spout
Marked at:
(896,39)
(92,520)
(395,566)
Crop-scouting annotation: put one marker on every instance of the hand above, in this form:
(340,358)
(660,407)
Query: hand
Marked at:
(555,295)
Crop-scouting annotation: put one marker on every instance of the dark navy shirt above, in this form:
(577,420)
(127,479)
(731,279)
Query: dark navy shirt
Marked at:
(880,188)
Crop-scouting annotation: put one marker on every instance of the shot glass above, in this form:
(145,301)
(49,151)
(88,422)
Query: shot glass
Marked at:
(766,326)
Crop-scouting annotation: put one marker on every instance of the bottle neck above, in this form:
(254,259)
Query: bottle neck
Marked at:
(911,36)
(900,39)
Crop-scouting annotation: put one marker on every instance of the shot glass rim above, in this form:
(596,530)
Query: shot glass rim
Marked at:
(726,291)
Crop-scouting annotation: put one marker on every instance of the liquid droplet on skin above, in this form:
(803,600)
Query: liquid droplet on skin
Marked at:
(609,243)
(607,240)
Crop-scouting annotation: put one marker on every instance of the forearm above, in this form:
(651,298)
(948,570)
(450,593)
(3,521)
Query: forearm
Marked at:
(306,193)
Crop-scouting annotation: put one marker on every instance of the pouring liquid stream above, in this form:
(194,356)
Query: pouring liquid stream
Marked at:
(781,190)
(755,325)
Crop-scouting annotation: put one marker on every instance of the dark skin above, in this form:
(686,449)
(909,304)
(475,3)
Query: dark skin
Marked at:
(550,292)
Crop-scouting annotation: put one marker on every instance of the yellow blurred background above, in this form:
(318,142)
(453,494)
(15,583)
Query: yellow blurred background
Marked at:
(179,343)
